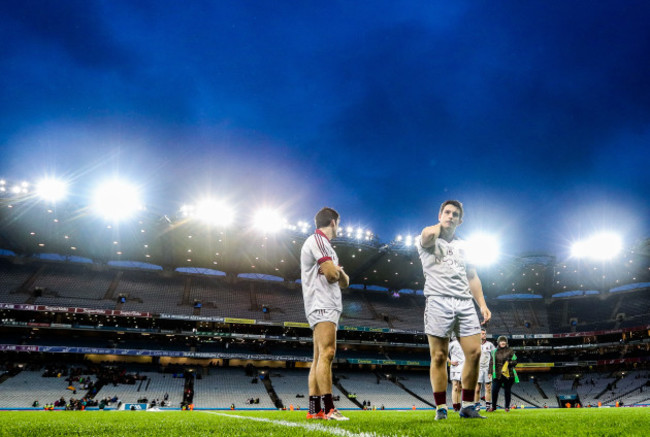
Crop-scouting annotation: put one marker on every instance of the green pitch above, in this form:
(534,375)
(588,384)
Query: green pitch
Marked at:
(519,423)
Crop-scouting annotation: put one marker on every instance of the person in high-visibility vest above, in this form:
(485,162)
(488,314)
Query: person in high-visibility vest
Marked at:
(502,362)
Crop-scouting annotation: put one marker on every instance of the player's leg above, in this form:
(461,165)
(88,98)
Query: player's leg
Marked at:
(438,324)
(326,333)
(488,392)
(455,394)
(496,386)
(472,349)
(507,392)
(439,349)
(469,336)
(325,338)
(315,409)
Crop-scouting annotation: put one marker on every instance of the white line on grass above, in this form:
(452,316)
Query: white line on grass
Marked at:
(308,426)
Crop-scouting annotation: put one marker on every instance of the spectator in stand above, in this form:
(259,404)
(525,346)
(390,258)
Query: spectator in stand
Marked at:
(502,362)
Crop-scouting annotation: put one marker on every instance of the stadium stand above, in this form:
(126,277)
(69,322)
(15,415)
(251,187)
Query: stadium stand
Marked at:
(152,386)
(149,292)
(73,282)
(418,383)
(223,386)
(22,390)
(378,390)
(12,278)
(291,387)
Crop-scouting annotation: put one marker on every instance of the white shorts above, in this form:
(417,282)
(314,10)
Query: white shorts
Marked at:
(484,376)
(444,315)
(318,316)
(455,373)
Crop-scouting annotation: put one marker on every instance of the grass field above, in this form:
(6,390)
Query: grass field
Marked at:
(517,423)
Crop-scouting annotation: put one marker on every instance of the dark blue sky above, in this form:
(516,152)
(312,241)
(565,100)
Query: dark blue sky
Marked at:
(535,114)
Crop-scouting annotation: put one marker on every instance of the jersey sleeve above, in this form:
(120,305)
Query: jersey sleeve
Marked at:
(319,249)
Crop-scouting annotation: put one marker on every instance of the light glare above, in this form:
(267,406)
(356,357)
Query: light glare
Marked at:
(214,212)
(601,246)
(482,250)
(51,190)
(268,220)
(116,200)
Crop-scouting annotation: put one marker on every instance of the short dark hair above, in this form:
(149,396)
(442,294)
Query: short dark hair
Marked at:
(325,216)
(455,203)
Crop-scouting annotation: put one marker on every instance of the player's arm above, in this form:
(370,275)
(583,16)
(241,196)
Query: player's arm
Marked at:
(429,235)
(331,272)
(344,279)
(453,363)
(476,288)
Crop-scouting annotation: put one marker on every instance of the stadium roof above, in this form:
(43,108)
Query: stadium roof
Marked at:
(31,228)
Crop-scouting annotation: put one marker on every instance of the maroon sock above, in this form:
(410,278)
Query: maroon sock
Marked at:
(329,402)
(440,397)
(468,395)
(456,407)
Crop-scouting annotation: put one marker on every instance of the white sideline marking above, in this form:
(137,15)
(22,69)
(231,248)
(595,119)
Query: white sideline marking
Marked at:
(308,426)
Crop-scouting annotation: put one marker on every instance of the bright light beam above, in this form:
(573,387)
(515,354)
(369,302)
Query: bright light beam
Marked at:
(482,250)
(116,200)
(51,189)
(214,212)
(268,220)
(601,246)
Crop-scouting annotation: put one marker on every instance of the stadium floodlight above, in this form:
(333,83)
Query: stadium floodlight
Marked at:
(268,221)
(214,212)
(399,238)
(16,189)
(482,250)
(603,246)
(116,200)
(51,189)
(408,241)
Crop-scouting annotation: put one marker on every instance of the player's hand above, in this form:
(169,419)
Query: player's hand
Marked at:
(430,234)
(487,315)
(435,230)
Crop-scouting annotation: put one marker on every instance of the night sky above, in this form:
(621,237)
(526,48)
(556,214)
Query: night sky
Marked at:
(535,114)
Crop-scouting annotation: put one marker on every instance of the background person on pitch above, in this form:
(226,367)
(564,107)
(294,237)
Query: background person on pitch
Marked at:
(322,279)
(449,287)
(484,374)
(502,362)
(456,360)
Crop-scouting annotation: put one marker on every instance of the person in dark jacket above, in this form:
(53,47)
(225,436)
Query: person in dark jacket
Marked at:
(502,364)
